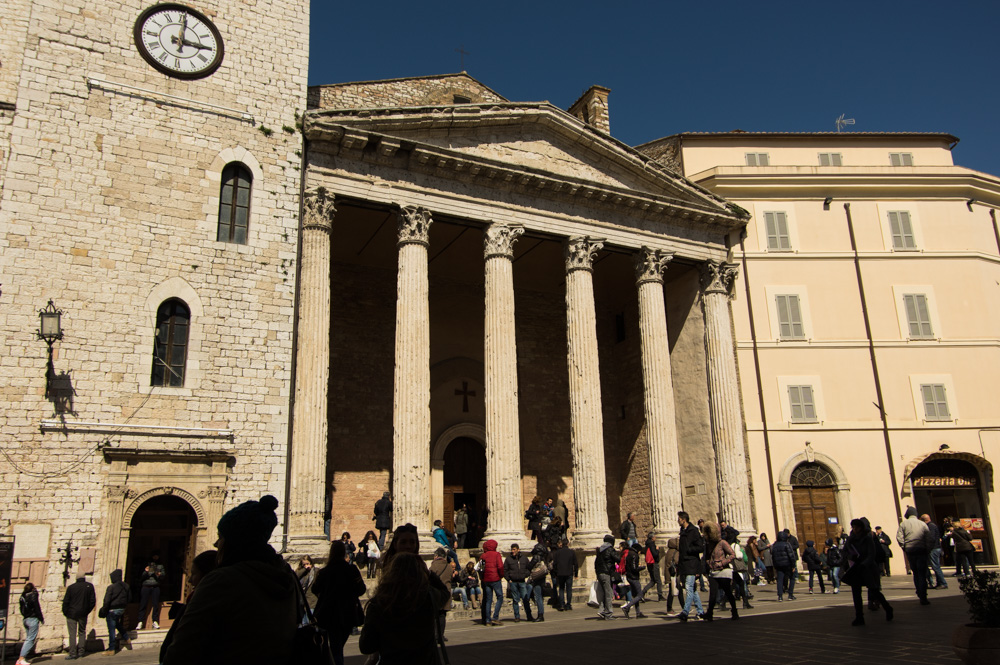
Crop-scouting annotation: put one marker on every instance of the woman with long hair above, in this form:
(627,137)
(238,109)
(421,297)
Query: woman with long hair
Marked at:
(306,572)
(470,580)
(401,622)
(719,557)
(337,587)
(349,546)
(534,516)
(369,546)
(865,570)
(31,610)
(404,539)
(766,558)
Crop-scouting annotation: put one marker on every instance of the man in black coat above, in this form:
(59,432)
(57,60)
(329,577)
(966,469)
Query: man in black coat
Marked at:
(79,601)
(690,546)
(383,518)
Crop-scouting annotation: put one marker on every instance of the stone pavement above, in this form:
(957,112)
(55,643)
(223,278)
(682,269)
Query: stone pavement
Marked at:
(811,629)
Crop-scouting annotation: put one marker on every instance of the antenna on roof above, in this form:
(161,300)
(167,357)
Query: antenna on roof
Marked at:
(840,122)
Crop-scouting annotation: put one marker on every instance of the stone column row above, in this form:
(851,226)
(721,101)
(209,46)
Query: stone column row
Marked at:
(724,397)
(411,413)
(309,429)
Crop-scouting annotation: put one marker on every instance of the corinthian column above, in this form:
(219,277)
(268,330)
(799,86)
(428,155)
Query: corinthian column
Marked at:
(724,397)
(658,394)
(586,421)
(309,428)
(503,441)
(411,410)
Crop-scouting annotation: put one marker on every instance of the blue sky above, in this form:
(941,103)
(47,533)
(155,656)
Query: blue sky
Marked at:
(698,66)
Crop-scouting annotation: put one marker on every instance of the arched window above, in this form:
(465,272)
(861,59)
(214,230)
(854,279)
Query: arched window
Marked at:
(173,319)
(234,203)
(810,474)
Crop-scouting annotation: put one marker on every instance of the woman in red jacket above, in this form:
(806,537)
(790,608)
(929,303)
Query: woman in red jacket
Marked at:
(491,563)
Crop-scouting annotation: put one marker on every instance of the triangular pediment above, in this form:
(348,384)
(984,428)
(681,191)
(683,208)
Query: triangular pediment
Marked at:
(535,138)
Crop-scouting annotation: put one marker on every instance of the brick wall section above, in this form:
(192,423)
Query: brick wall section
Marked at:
(429,91)
(106,196)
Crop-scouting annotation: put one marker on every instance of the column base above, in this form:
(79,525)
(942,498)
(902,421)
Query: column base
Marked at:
(662,535)
(583,539)
(507,538)
(316,546)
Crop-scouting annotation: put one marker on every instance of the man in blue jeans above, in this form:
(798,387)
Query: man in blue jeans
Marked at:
(935,553)
(690,547)
(516,569)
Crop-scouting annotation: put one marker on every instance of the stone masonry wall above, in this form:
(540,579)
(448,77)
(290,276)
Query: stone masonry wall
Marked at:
(110,198)
(430,91)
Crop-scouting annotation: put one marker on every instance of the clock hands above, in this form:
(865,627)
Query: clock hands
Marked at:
(184,25)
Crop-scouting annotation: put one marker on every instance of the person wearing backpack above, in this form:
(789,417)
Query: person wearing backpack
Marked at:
(31,610)
(538,567)
(632,568)
(834,560)
(814,565)
(652,558)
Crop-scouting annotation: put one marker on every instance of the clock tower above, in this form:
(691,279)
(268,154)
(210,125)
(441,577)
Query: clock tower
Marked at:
(149,187)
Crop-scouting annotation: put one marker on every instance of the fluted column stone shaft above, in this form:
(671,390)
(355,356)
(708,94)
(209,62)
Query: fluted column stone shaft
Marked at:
(503,440)
(658,392)
(724,397)
(312,373)
(411,413)
(586,420)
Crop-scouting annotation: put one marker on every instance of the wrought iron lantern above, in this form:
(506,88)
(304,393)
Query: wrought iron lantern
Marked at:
(50,324)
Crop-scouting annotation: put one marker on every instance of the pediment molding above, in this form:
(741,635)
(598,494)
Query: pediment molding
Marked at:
(332,132)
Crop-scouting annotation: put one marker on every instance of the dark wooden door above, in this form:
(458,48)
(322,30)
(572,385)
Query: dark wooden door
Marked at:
(814,506)
(464,479)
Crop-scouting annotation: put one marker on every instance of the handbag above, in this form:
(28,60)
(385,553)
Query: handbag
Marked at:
(311,645)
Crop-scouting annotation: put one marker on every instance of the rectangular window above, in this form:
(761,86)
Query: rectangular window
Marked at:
(789,317)
(777,231)
(801,404)
(902,230)
(830,159)
(935,401)
(757,159)
(918,316)
(901,158)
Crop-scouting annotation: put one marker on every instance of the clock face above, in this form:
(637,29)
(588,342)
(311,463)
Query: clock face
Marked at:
(178,41)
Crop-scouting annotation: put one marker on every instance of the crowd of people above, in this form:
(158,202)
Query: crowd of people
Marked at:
(244,588)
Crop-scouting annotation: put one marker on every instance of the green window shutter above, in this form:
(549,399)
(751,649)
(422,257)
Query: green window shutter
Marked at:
(923,317)
(942,402)
(772,230)
(795,402)
(784,318)
(808,404)
(796,317)
(935,401)
(789,317)
(906,230)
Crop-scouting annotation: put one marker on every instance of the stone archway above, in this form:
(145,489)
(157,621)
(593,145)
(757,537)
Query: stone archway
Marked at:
(842,489)
(462,430)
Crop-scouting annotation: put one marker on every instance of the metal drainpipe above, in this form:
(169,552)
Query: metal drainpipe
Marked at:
(996,231)
(760,385)
(871,352)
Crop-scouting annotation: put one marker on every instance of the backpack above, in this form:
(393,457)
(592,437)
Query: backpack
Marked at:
(539,571)
(649,557)
(834,557)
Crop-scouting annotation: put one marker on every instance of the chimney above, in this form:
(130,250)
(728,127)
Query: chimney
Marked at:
(592,108)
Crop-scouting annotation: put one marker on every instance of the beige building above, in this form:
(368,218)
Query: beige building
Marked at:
(150,191)
(869,277)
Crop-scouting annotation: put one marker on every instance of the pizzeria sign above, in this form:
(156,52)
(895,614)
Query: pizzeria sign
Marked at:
(944,481)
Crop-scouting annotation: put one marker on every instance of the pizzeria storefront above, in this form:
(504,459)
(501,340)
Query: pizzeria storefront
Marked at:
(956,486)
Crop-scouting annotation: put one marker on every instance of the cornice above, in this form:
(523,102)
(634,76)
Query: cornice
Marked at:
(743,182)
(357,142)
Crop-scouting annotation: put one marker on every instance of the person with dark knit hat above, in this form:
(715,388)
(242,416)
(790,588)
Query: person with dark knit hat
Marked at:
(247,609)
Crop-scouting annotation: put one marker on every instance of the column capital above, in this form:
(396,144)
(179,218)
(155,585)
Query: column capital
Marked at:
(414,225)
(499,239)
(650,265)
(580,253)
(719,277)
(318,209)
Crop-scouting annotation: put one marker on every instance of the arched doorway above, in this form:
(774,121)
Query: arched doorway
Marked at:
(464,483)
(814,503)
(165,524)
(953,488)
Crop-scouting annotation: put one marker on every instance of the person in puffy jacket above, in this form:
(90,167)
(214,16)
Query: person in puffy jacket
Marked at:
(814,564)
(492,573)
(689,547)
(246,610)
(113,610)
(604,568)
(516,568)
(784,557)
(632,569)
(834,560)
